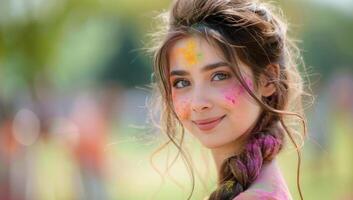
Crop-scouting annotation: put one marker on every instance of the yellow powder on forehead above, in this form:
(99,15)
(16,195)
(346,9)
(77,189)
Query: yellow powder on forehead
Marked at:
(189,52)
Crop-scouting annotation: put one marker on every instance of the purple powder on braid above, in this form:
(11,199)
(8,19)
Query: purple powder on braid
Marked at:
(245,167)
(241,167)
(255,159)
(270,146)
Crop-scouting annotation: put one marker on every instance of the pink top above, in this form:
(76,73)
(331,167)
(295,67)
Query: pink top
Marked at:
(270,185)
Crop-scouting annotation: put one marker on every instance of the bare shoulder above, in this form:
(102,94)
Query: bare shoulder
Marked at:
(261,195)
(256,195)
(270,185)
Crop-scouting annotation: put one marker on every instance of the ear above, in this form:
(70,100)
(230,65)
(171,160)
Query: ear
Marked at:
(267,79)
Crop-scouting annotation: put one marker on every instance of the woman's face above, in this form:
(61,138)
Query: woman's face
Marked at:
(207,97)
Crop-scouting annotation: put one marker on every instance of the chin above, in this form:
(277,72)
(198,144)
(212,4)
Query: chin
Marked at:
(212,144)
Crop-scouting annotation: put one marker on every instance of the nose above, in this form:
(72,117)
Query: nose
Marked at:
(201,102)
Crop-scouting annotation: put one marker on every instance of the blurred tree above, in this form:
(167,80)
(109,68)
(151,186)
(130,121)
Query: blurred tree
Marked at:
(31,32)
(325,35)
(127,67)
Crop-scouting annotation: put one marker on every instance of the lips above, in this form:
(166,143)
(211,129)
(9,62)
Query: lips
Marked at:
(208,124)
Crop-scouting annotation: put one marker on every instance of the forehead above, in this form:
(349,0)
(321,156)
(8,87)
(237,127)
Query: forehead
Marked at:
(191,41)
(191,51)
(194,52)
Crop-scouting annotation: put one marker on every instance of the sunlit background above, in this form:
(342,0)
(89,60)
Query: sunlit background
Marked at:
(73,116)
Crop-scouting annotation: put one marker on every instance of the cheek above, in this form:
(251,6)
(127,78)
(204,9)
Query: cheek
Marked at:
(249,83)
(181,106)
(232,93)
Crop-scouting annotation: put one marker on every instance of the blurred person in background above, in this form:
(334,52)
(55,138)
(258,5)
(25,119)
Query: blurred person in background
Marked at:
(340,113)
(331,132)
(92,130)
(91,114)
(8,146)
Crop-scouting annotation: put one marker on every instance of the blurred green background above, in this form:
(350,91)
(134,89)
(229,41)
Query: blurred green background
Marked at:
(73,93)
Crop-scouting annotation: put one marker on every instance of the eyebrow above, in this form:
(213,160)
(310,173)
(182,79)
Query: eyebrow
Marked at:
(204,69)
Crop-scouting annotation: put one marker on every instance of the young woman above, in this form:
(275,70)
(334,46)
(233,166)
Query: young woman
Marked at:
(226,72)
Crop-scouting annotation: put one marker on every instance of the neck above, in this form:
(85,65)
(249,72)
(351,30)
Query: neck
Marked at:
(220,154)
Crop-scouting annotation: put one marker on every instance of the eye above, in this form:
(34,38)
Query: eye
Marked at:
(181,83)
(220,76)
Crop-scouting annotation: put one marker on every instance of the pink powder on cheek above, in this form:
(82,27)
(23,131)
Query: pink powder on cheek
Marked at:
(231,94)
(248,82)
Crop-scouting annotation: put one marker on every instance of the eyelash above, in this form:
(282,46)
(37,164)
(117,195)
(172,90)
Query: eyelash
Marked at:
(226,76)
(177,81)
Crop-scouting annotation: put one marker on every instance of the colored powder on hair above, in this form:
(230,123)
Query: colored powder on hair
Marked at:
(229,185)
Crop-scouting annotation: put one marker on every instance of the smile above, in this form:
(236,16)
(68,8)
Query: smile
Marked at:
(208,124)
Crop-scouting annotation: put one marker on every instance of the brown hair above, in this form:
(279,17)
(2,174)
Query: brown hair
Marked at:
(247,31)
